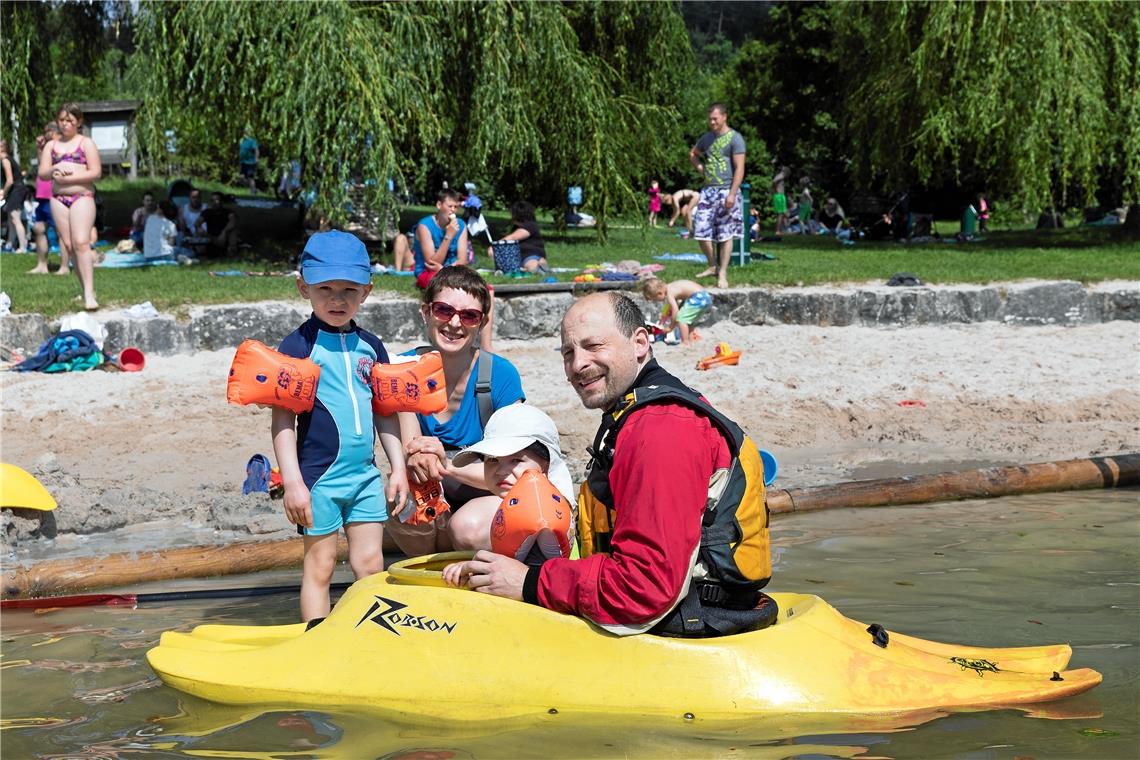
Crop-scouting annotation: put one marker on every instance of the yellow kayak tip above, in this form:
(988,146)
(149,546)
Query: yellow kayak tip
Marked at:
(19,489)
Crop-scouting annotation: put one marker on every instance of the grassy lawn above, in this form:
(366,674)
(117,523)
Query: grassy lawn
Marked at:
(1086,254)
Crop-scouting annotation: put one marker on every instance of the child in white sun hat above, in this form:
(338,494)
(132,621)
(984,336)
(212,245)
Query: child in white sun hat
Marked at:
(518,438)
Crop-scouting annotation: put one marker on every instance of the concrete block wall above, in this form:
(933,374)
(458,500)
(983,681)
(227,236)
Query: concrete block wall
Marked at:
(536,316)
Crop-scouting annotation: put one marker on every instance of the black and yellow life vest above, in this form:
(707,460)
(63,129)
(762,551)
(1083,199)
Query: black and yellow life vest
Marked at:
(733,561)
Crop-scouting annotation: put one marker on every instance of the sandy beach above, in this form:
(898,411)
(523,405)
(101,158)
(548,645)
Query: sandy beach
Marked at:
(156,458)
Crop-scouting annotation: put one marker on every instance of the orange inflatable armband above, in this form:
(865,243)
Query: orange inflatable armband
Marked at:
(724,356)
(409,387)
(532,514)
(429,503)
(260,375)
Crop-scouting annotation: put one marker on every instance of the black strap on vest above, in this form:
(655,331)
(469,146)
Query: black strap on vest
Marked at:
(482,383)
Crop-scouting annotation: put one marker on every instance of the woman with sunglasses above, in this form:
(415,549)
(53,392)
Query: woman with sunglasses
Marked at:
(455,310)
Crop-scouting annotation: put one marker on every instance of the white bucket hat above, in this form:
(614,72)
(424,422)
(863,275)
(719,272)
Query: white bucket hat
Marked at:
(512,429)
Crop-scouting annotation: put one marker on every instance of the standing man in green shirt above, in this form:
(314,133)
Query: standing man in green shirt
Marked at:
(719,157)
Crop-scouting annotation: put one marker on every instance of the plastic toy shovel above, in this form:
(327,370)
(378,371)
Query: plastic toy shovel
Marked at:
(19,489)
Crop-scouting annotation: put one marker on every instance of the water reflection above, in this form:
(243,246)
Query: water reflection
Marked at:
(1013,572)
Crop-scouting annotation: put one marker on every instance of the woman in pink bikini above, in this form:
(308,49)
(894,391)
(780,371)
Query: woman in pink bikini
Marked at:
(72,164)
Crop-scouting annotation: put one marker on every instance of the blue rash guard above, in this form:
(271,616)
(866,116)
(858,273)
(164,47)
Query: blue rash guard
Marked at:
(336,440)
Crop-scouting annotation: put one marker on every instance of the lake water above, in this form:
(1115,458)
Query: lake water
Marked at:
(1010,572)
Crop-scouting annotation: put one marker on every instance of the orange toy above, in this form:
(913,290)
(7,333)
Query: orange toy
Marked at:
(260,375)
(533,511)
(409,387)
(723,356)
(429,504)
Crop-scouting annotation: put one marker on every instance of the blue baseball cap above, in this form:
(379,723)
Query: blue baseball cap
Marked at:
(335,255)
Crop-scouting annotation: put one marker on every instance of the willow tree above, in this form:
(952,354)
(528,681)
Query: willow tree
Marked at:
(55,52)
(525,96)
(1041,98)
(21,101)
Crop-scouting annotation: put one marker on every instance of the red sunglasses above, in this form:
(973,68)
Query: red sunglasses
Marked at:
(445,311)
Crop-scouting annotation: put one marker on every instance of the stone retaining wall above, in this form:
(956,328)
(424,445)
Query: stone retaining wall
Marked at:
(534,316)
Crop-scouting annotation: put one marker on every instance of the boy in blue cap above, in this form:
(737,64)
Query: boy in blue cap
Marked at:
(327,455)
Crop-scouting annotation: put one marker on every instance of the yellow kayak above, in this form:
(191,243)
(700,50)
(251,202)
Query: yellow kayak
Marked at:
(19,489)
(402,640)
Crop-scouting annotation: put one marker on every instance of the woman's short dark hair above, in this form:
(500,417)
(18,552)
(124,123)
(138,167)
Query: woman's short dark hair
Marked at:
(459,277)
(521,211)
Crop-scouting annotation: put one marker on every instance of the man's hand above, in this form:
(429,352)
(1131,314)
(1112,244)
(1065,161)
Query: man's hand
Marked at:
(491,573)
(729,201)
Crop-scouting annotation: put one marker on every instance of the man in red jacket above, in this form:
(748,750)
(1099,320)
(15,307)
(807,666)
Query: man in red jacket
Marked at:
(672,518)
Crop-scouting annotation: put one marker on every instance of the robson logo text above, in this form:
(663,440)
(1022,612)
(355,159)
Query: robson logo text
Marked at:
(390,615)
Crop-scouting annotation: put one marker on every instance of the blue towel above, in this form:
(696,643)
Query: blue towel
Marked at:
(116,260)
(697,257)
(70,347)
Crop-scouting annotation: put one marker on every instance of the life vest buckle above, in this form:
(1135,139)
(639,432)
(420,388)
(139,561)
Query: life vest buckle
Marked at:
(712,594)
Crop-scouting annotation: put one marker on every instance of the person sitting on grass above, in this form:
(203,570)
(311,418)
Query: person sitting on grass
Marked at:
(684,303)
(518,438)
(221,227)
(160,234)
(440,238)
(832,220)
(139,217)
(524,229)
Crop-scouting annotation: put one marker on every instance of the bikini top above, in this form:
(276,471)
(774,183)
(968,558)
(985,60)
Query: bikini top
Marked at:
(76,156)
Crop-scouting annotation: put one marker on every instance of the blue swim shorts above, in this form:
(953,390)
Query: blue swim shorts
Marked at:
(693,307)
(337,503)
(43,212)
(712,222)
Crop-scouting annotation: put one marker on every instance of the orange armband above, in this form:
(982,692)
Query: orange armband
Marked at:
(533,512)
(260,375)
(409,386)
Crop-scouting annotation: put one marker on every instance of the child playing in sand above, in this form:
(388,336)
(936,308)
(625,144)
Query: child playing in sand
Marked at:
(518,438)
(685,301)
(327,462)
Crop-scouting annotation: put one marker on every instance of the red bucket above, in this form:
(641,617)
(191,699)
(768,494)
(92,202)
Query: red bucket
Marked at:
(130,360)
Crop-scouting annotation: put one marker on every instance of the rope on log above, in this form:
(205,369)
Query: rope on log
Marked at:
(87,573)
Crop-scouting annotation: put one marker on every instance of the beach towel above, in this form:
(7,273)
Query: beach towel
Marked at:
(116,260)
(695,257)
(70,351)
